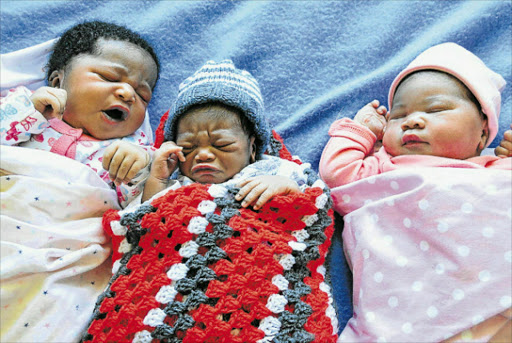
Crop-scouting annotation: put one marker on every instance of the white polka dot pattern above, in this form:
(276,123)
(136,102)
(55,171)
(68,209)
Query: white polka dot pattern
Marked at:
(423,247)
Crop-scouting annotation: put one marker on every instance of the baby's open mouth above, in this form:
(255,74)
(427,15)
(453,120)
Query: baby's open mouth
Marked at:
(115,114)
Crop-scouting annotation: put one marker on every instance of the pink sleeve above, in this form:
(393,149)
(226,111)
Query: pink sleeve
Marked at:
(348,156)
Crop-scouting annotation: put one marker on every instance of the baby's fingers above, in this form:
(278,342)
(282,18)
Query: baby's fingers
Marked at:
(133,171)
(375,103)
(250,190)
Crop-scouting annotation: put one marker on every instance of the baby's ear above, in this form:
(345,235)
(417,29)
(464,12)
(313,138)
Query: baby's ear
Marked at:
(485,135)
(252,149)
(55,79)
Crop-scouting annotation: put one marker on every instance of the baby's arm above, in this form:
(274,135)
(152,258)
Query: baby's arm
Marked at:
(505,147)
(24,113)
(257,191)
(347,155)
(373,117)
(165,161)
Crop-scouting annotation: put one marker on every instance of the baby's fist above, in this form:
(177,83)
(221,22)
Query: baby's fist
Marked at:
(373,117)
(505,147)
(50,101)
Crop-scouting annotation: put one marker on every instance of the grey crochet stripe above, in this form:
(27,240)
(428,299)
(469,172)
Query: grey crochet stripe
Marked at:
(198,276)
(133,235)
(292,324)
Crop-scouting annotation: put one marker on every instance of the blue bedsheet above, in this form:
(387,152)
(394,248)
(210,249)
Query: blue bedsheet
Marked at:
(315,60)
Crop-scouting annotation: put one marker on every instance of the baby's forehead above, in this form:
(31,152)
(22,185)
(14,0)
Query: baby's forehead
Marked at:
(216,121)
(440,78)
(218,114)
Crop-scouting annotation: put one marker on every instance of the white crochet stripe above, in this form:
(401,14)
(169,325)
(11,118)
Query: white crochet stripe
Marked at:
(177,271)
(276,303)
(217,191)
(287,261)
(117,228)
(142,337)
(166,294)
(154,317)
(321,201)
(206,206)
(197,225)
(297,245)
(300,235)
(124,247)
(189,249)
(280,282)
(329,311)
(310,220)
(270,326)
(321,269)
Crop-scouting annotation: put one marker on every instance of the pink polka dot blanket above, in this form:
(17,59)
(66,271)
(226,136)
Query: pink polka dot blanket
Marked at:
(430,251)
(193,266)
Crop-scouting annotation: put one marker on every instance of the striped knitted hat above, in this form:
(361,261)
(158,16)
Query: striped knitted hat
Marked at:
(224,83)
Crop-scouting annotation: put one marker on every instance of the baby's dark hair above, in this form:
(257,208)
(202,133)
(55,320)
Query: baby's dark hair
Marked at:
(82,39)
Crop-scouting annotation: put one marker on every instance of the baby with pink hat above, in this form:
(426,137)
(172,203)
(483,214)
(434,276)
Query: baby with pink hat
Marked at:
(444,106)
(423,203)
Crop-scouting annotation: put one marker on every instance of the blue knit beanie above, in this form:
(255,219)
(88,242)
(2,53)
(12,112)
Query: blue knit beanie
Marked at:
(222,83)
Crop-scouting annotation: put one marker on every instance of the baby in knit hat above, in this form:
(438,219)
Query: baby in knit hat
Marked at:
(444,110)
(216,133)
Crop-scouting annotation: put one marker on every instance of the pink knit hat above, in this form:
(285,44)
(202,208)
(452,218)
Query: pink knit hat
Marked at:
(453,59)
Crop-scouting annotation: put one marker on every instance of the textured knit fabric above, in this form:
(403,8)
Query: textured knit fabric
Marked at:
(22,125)
(222,82)
(196,267)
(453,59)
(427,238)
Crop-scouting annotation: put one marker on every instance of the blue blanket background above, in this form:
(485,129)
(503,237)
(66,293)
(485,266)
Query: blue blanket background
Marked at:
(315,60)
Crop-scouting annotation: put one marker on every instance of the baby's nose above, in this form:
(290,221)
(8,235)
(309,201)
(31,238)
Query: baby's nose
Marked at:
(413,121)
(125,92)
(204,154)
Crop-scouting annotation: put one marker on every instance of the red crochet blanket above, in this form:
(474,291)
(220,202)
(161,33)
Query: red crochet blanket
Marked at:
(196,267)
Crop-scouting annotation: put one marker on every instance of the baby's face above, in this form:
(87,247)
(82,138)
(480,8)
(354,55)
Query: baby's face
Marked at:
(107,94)
(215,147)
(432,115)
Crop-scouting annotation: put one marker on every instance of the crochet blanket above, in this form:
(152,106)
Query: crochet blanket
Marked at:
(194,266)
(54,255)
(315,60)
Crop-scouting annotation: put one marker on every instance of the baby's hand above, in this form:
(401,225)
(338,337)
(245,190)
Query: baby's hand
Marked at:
(123,161)
(260,189)
(165,160)
(373,117)
(50,101)
(505,147)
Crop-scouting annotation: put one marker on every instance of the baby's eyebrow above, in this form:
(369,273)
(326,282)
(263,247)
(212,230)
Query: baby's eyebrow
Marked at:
(121,69)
